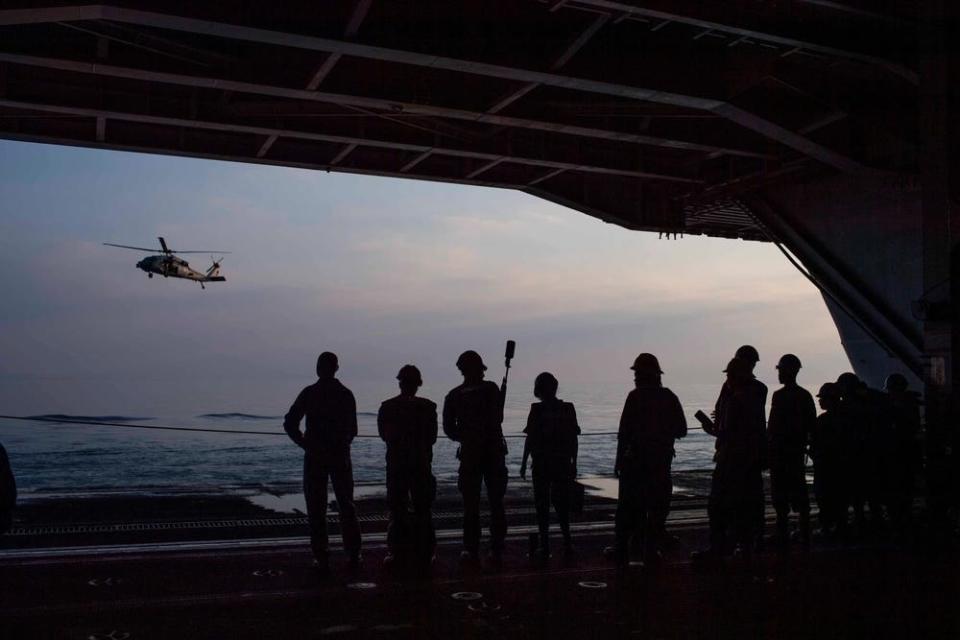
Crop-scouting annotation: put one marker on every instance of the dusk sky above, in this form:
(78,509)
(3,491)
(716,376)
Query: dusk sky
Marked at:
(381,271)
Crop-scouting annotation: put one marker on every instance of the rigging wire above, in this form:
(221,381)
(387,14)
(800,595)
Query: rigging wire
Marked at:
(126,425)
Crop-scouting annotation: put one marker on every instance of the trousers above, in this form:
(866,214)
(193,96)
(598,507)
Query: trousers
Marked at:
(316,471)
(489,469)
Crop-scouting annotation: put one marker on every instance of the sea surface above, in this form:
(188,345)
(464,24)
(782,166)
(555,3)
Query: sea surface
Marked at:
(50,458)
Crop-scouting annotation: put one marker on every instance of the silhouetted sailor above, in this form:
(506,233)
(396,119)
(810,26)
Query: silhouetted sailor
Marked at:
(829,446)
(8,492)
(408,425)
(864,411)
(792,418)
(651,421)
(905,460)
(737,482)
(331,426)
(749,355)
(473,417)
(551,441)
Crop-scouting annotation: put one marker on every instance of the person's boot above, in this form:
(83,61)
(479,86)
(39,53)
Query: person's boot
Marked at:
(470,557)
(805,530)
(540,552)
(355,560)
(707,559)
(619,553)
(781,538)
(321,564)
(533,543)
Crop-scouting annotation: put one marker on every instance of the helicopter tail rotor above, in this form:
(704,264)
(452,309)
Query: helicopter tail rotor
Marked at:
(213,273)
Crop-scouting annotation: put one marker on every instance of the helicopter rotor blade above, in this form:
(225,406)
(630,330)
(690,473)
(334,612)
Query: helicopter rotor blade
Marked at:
(163,243)
(208,252)
(123,246)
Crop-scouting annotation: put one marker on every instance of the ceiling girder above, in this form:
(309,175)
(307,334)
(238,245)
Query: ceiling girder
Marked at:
(338,139)
(696,17)
(383,104)
(735,114)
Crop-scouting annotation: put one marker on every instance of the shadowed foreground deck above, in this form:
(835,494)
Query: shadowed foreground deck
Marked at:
(267,588)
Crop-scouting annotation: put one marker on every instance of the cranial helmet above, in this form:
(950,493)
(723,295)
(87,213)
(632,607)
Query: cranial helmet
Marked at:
(647,363)
(789,362)
(408,372)
(470,359)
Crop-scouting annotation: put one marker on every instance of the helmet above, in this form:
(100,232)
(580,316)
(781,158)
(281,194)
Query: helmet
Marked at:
(829,390)
(737,365)
(847,382)
(789,362)
(647,363)
(545,384)
(327,363)
(748,353)
(896,382)
(469,359)
(411,373)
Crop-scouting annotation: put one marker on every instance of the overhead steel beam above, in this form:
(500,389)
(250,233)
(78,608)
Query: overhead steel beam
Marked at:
(486,167)
(391,106)
(577,205)
(512,97)
(580,42)
(420,158)
(692,17)
(322,137)
(341,156)
(353,26)
(545,177)
(563,59)
(167,151)
(746,119)
(852,10)
(265,147)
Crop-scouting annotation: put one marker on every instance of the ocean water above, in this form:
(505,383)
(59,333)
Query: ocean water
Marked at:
(51,458)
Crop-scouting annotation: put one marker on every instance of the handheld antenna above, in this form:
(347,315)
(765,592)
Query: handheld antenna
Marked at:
(507,356)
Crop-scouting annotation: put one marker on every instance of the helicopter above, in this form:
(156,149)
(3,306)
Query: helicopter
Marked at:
(169,265)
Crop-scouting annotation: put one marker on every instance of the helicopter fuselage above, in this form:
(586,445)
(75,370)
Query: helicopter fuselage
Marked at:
(170,266)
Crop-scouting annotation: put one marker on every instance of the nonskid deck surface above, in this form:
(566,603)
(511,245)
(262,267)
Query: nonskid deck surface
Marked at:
(217,566)
(131,518)
(260,588)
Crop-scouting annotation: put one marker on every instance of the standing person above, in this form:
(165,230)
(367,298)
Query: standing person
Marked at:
(741,451)
(792,418)
(905,458)
(828,448)
(552,432)
(8,492)
(408,424)
(651,421)
(473,417)
(865,412)
(331,426)
(750,356)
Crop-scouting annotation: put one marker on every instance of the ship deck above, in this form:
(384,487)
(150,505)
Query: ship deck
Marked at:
(245,586)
